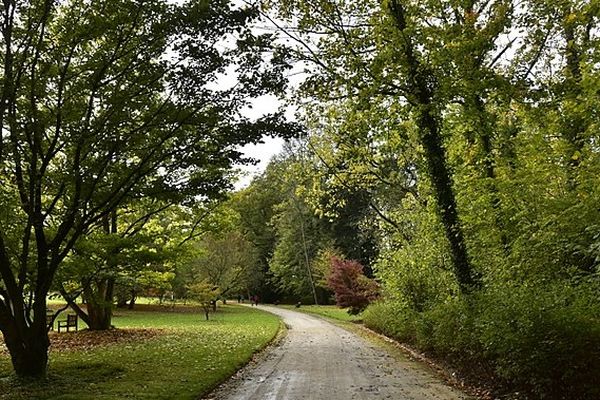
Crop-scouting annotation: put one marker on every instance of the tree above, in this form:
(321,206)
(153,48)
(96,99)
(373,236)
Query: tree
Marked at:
(206,294)
(300,233)
(351,287)
(256,206)
(227,262)
(102,102)
(133,245)
(398,74)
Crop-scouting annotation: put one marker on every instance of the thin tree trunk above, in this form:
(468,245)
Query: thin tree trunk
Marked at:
(485,135)
(307,261)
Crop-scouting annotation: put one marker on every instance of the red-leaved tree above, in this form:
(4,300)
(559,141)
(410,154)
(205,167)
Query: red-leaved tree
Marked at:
(351,287)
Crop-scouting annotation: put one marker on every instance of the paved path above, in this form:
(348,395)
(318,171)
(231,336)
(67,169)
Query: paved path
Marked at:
(318,360)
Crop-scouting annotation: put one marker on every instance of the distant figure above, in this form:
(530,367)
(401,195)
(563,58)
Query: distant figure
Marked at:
(252,300)
(298,304)
(256,299)
(239,298)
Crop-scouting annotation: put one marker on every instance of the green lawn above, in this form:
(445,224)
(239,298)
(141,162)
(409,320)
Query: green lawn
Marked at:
(186,358)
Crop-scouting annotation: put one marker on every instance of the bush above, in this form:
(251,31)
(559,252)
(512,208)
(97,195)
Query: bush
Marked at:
(351,287)
(544,340)
(392,319)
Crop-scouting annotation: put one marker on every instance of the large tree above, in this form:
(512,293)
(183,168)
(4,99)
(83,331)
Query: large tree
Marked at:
(135,242)
(378,55)
(100,102)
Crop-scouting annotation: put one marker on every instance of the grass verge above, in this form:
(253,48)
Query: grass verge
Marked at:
(184,360)
(333,312)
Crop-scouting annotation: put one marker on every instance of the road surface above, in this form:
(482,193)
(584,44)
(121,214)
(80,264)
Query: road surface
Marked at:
(318,360)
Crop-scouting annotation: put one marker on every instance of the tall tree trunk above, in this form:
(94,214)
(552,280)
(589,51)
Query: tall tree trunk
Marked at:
(446,201)
(307,262)
(422,85)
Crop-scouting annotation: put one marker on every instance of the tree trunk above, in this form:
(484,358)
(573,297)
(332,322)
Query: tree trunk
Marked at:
(423,83)
(446,202)
(28,343)
(99,306)
(100,298)
(132,300)
(99,317)
(28,352)
(306,259)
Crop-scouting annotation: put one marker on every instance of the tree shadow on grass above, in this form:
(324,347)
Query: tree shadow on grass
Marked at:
(64,381)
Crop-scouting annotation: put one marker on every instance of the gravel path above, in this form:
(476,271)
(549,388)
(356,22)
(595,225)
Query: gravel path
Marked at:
(318,360)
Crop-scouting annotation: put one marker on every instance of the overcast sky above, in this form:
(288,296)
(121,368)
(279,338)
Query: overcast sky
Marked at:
(264,151)
(260,107)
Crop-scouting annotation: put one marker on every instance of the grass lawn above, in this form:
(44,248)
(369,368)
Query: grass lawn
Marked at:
(333,312)
(181,357)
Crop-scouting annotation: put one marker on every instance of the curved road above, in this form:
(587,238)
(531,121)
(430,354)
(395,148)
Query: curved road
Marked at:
(318,360)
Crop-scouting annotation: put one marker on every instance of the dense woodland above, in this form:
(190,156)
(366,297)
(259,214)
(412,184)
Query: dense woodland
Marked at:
(442,172)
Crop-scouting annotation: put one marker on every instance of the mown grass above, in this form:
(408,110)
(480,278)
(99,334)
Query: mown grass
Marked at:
(186,359)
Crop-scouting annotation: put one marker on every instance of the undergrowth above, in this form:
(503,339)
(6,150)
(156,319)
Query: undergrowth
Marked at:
(541,341)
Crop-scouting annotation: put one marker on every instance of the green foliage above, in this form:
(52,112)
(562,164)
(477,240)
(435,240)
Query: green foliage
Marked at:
(227,262)
(542,339)
(471,129)
(203,292)
(299,233)
(392,319)
(545,337)
(105,103)
(417,271)
(256,206)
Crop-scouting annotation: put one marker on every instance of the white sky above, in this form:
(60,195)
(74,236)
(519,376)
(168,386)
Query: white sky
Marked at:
(262,151)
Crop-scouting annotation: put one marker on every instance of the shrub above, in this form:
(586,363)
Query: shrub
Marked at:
(392,319)
(540,339)
(545,339)
(351,287)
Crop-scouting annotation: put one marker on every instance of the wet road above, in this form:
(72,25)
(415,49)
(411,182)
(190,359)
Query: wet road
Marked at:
(318,360)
